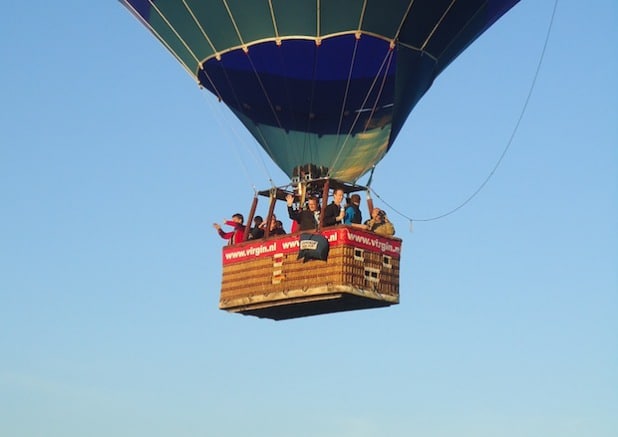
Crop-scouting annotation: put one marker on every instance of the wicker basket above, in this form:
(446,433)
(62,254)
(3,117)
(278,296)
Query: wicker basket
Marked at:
(265,278)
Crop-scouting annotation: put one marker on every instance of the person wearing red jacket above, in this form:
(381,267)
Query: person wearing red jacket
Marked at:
(235,236)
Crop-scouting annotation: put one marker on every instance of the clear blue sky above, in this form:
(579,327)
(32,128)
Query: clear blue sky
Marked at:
(113,166)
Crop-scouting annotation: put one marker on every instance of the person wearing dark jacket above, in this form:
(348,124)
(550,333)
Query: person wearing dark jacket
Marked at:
(335,212)
(257,231)
(278,228)
(307,219)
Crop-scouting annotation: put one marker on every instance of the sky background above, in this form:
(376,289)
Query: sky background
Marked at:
(114,165)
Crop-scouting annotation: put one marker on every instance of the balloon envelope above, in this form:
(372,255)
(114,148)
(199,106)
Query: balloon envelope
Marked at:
(328,83)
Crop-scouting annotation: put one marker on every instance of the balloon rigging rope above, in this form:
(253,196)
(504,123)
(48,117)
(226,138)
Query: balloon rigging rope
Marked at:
(218,111)
(219,114)
(237,137)
(352,61)
(307,136)
(389,57)
(270,105)
(168,46)
(347,87)
(506,148)
(199,26)
(227,125)
(173,29)
(436,26)
(264,142)
(385,66)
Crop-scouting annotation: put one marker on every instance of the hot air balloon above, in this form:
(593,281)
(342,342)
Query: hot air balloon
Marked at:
(324,86)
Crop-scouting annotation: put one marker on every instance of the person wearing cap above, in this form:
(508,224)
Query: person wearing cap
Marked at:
(353,213)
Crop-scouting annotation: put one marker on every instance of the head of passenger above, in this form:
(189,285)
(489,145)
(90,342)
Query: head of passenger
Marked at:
(273,222)
(338,196)
(312,204)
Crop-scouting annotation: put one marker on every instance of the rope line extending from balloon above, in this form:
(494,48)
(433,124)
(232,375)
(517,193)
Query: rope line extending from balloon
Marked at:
(273,110)
(227,126)
(347,88)
(238,139)
(506,148)
(386,63)
(306,149)
(159,37)
(199,26)
(219,114)
(263,141)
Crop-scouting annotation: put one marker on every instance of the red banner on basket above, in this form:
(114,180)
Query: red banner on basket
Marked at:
(267,247)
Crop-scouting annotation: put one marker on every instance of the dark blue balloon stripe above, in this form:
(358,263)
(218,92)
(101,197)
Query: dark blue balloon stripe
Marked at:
(300,86)
(142,7)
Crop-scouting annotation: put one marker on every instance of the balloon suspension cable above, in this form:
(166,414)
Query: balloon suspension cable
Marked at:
(273,110)
(195,57)
(385,66)
(254,151)
(506,148)
(226,125)
(371,176)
